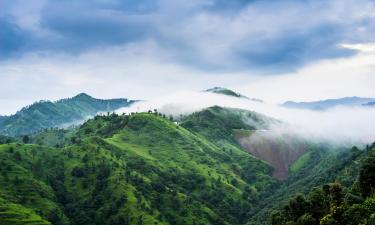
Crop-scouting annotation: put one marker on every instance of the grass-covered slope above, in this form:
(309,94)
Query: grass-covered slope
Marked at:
(253,132)
(218,123)
(137,169)
(46,114)
(15,214)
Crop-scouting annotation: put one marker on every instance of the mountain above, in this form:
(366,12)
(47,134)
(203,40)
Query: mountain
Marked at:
(225,91)
(329,103)
(336,202)
(144,168)
(248,131)
(62,113)
(130,169)
(372,104)
(228,92)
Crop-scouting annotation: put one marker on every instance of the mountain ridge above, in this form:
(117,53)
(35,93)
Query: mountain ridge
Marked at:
(64,112)
(328,103)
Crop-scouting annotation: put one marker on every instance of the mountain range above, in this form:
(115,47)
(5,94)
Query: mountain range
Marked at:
(329,103)
(218,165)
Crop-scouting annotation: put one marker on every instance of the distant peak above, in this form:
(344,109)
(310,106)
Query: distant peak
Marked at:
(83,96)
(225,91)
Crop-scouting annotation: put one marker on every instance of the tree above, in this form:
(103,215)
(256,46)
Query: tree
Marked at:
(367,177)
(306,219)
(25,139)
(17,156)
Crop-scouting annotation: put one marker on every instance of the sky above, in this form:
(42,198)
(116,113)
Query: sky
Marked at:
(269,49)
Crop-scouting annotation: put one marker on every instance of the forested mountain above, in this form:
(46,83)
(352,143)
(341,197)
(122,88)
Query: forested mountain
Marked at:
(249,131)
(62,113)
(329,103)
(145,168)
(136,169)
(338,202)
(321,164)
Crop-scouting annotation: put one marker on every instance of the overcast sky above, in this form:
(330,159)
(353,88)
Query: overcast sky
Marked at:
(274,50)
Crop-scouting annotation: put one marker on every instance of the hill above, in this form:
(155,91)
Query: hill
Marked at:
(336,202)
(133,169)
(248,131)
(329,103)
(228,92)
(321,164)
(225,91)
(62,113)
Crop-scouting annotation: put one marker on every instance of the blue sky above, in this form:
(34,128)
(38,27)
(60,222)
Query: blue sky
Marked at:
(164,40)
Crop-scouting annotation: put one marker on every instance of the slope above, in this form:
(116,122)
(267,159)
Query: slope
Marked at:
(335,203)
(133,169)
(250,131)
(63,113)
(324,164)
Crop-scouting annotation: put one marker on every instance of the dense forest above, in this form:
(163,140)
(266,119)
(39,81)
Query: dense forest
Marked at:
(335,203)
(147,168)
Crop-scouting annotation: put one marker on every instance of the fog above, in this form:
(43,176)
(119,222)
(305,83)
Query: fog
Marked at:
(340,125)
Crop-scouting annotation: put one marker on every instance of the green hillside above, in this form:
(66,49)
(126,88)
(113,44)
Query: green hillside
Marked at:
(218,123)
(62,113)
(323,165)
(146,169)
(248,131)
(137,169)
(15,214)
(336,203)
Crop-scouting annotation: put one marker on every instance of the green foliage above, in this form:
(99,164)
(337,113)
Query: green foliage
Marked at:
(63,113)
(367,176)
(133,169)
(333,203)
(15,214)
(217,123)
(325,164)
(300,163)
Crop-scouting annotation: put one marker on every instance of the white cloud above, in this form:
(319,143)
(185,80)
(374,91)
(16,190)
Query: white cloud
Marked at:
(143,71)
(334,78)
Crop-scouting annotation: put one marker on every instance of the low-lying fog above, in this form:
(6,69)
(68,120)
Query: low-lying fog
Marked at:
(340,125)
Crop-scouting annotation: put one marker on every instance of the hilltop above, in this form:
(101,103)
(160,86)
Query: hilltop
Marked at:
(228,92)
(249,131)
(62,113)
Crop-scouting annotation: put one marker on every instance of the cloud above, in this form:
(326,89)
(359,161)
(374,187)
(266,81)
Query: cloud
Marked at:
(340,125)
(364,48)
(145,70)
(12,37)
(264,36)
